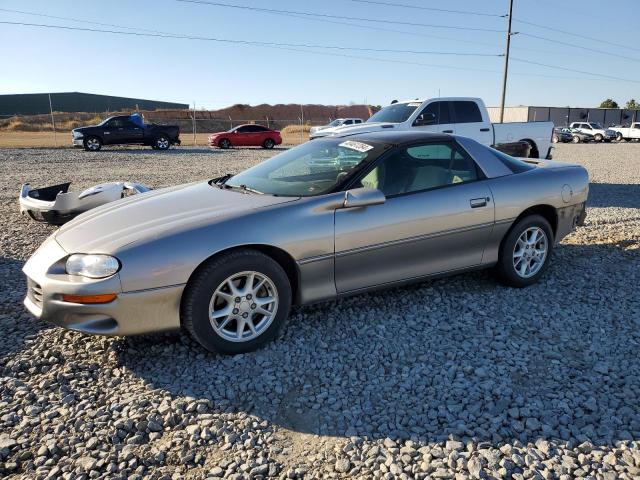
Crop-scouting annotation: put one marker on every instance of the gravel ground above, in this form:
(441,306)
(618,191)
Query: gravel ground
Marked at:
(454,378)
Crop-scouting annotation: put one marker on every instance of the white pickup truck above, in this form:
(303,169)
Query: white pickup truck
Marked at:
(627,133)
(463,116)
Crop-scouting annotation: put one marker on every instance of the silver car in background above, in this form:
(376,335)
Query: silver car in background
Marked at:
(226,258)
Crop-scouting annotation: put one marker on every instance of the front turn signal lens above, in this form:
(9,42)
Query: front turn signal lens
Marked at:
(104,298)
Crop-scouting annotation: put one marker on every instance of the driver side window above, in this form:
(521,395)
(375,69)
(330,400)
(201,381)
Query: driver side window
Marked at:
(421,167)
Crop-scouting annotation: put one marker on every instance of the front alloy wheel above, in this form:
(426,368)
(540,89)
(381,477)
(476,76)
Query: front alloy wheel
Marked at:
(236,302)
(92,144)
(162,143)
(243,306)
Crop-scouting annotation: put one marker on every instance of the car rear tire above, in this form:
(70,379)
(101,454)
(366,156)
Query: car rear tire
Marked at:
(236,302)
(525,252)
(597,137)
(575,139)
(619,137)
(555,139)
(162,142)
(224,143)
(268,143)
(92,144)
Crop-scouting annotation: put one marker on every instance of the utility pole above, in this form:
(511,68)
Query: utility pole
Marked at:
(194,123)
(506,62)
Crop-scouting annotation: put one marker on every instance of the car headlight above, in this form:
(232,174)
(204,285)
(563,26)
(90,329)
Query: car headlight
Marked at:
(92,266)
(77,134)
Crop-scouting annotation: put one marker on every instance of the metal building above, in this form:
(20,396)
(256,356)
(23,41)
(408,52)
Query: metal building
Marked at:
(38,103)
(563,116)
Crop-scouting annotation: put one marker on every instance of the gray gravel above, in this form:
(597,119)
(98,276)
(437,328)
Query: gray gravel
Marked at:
(455,378)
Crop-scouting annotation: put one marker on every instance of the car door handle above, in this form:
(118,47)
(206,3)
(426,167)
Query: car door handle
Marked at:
(478,202)
(484,129)
(447,131)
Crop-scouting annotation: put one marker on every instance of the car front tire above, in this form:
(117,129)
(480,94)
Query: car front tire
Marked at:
(92,144)
(236,302)
(598,137)
(525,252)
(224,143)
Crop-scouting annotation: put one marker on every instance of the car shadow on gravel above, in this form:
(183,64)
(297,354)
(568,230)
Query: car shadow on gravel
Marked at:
(461,357)
(16,323)
(605,195)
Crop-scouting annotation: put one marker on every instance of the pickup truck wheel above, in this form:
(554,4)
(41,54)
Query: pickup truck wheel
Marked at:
(224,143)
(92,144)
(236,302)
(268,143)
(162,142)
(575,139)
(597,137)
(525,252)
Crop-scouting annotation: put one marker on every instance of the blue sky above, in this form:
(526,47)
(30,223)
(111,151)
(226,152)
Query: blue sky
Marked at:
(214,75)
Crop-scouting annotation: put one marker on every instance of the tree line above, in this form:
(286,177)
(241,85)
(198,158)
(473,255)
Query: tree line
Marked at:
(630,105)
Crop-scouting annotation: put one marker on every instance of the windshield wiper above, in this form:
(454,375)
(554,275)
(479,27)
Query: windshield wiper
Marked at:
(243,188)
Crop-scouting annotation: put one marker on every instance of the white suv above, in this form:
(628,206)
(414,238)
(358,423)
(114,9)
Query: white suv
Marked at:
(338,122)
(597,130)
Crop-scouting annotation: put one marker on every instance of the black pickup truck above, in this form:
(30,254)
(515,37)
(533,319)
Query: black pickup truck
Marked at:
(126,130)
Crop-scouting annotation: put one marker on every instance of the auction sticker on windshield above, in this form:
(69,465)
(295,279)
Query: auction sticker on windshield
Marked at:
(357,146)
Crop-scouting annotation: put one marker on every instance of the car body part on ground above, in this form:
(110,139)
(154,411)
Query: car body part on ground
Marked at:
(226,258)
(126,130)
(599,133)
(464,116)
(250,135)
(56,205)
(338,122)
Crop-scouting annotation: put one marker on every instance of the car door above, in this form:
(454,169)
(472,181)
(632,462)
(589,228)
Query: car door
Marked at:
(435,117)
(130,132)
(469,122)
(242,136)
(634,131)
(437,217)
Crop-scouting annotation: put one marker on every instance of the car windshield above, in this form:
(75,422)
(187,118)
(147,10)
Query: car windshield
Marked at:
(596,125)
(310,169)
(395,113)
(336,122)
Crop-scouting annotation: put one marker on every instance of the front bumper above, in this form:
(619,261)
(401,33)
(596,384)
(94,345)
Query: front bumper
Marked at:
(131,313)
(77,142)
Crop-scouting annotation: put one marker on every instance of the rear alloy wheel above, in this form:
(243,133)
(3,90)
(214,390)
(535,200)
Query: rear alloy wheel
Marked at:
(268,143)
(162,142)
(237,302)
(92,144)
(575,139)
(525,252)
(224,143)
(597,137)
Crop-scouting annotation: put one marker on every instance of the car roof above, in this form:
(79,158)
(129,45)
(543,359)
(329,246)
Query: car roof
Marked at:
(396,137)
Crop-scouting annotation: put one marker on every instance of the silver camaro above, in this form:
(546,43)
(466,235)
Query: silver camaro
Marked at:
(227,258)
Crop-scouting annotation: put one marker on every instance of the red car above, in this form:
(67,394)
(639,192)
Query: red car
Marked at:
(246,136)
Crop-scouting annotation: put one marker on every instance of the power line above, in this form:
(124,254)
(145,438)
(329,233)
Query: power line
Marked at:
(578,35)
(589,49)
(342,17)
(602,75)
(296,48)
(417,7)
(249,42)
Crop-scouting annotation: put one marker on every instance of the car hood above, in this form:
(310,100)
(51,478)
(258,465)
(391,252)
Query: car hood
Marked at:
(153,214)
(365,127)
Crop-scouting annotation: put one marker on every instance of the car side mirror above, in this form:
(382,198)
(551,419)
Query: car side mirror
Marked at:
(425,119)
(363,197)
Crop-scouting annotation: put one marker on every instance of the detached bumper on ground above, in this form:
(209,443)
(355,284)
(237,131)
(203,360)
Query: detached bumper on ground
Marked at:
(131,313)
